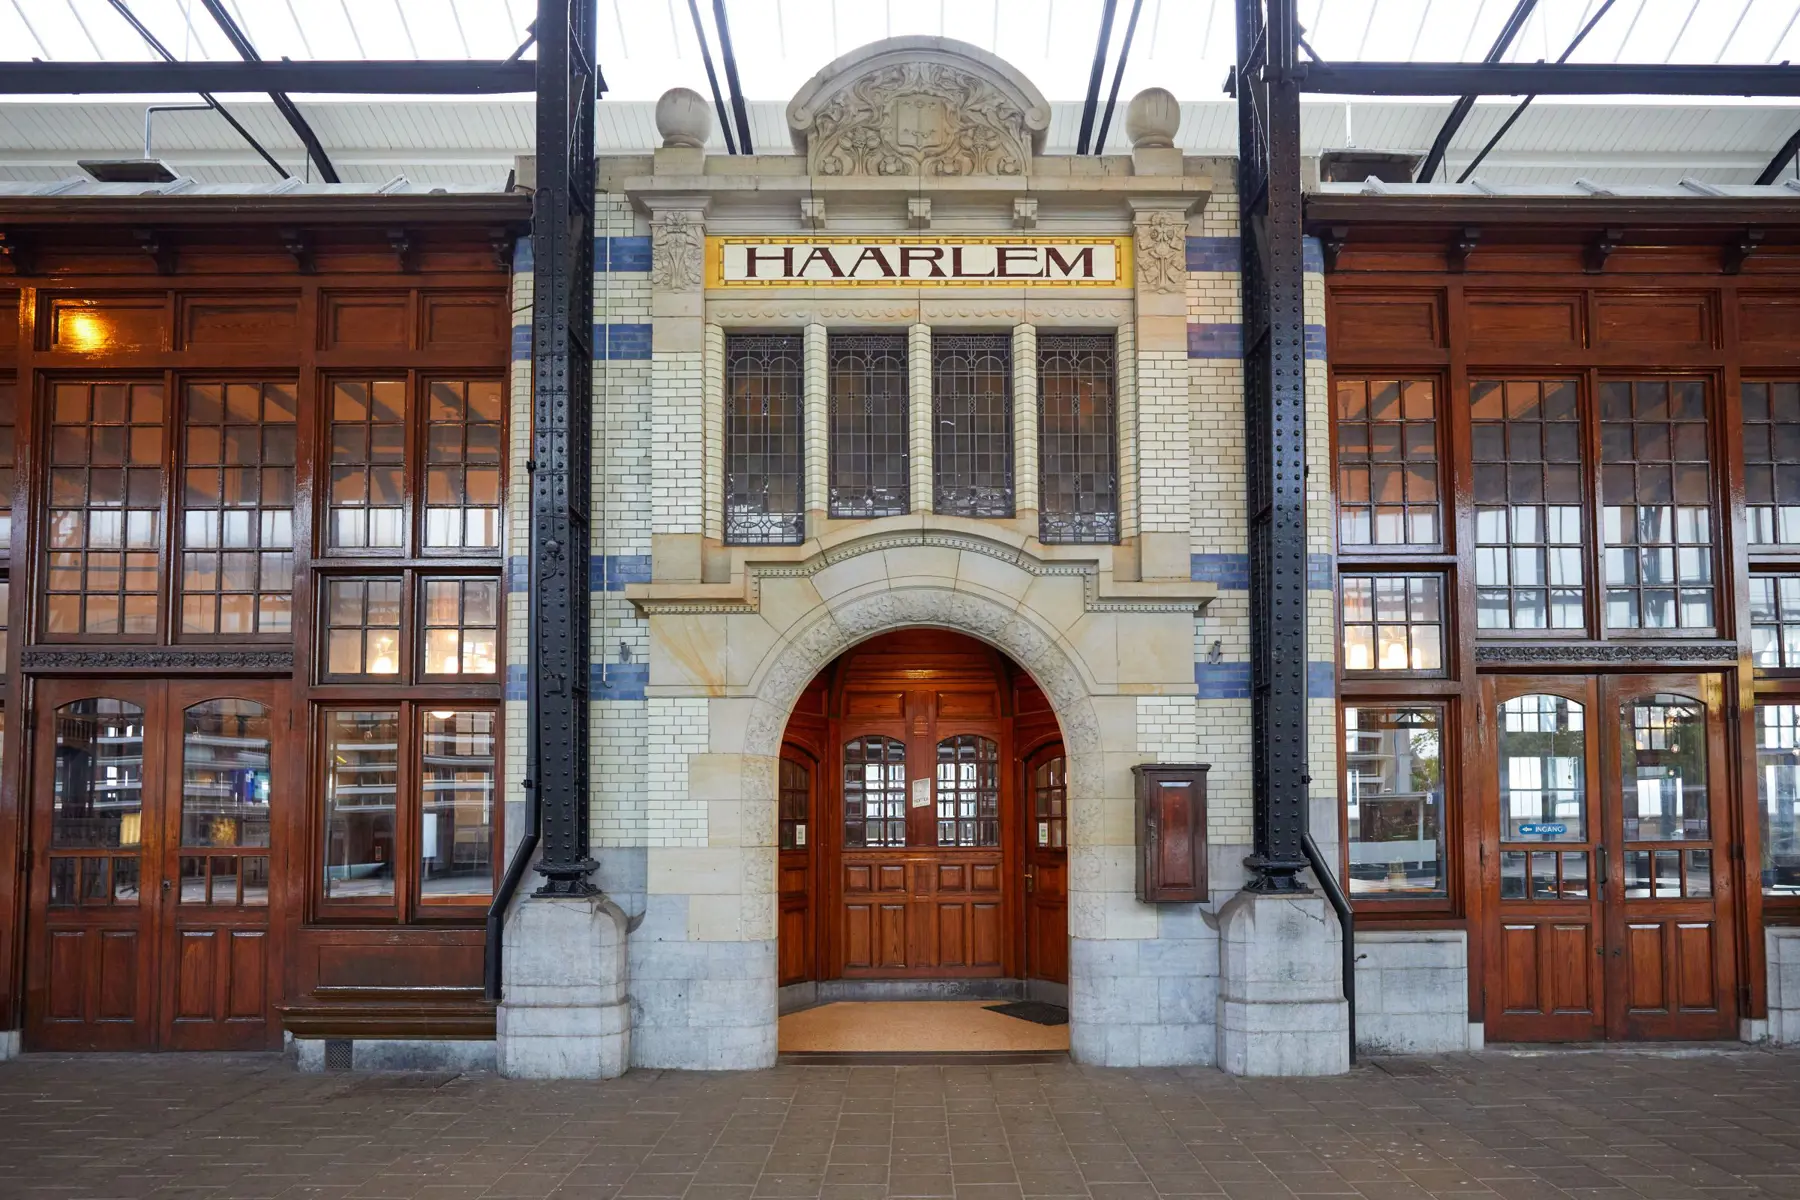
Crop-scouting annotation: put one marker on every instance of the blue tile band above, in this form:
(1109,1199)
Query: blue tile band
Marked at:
(522,260)
(1312,256)
(1321,680)
(612,573)
(620,254)
(515,681)
(623,342)
(624,681)
(1213,254)
(1231,680)
(1225,339)
(521,343)
(1232,571)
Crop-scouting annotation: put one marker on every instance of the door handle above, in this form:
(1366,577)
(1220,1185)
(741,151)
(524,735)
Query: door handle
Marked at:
(1600,866)
(167,885)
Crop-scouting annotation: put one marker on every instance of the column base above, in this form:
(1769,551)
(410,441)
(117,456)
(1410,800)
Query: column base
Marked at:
(1282,1010)
(564,1013)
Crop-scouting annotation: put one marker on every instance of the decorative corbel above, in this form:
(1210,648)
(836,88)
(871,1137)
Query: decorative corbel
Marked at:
(1739,252)
(16,253)
(1025,212)
(400,241)
(501,242)
(157,245)
(298,244)
(1462,246)
(1601,249)
(812,212)
(918,212)
(1331,244)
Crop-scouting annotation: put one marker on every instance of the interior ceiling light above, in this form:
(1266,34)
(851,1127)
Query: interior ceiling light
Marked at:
(128,170)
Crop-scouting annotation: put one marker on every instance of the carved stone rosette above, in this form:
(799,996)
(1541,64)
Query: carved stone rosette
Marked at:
(1162,251)
(677,251)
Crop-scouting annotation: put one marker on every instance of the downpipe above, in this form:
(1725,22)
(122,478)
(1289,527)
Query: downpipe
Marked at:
(509,884)
(1346,922)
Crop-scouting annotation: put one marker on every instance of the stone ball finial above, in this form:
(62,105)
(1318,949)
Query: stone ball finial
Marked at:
(1150,120)
(683,118)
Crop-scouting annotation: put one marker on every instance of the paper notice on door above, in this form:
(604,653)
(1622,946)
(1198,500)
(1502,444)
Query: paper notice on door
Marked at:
(921,793)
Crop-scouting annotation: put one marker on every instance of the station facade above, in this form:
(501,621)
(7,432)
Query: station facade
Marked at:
(919,535)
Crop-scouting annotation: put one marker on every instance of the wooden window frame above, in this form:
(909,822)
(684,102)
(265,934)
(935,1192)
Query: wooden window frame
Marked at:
(1409,909)
(1447,624)
(1761,552)
(1373,552)
(406,905)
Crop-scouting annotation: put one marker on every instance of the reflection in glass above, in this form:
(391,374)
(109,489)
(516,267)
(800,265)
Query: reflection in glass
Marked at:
(795,801)
(1778,796)
(1543,781)
(1663,769)
(1395,800)
(874,792)
(1050,788)
(457,831)
(362,764)
(225,774)
(99,776)
(968,791)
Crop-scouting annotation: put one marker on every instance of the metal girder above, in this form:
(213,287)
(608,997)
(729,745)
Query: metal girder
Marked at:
(562,352)
(1112,97)
(404,77)
(1092,100)
(712,79)
(1545,79)
(738,110)
(1782,158)
(1459,112)
(240,41)
(1274,333)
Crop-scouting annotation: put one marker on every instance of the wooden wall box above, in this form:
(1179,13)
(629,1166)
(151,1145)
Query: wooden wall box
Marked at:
(1171,832)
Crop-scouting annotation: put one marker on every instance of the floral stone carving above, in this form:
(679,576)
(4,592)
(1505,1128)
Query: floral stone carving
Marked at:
(1162,251)
(677,249)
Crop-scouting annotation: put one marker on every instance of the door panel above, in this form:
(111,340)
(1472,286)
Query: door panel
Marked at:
(1047,865)
(796,788)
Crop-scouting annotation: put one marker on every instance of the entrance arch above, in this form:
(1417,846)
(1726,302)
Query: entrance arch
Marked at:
(728,662)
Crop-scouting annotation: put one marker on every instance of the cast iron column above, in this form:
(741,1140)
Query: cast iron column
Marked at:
(1274,433)
(562,359)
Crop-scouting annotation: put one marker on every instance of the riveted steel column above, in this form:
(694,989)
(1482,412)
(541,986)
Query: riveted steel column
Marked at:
(562,243)
(1274,336)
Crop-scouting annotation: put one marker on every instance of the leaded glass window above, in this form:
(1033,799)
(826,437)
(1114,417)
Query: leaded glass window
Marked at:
(968,791)
(1078,490)
(1526,437)
(869,458)
(1656,496)
(874,792)
(764,440)
(972,450)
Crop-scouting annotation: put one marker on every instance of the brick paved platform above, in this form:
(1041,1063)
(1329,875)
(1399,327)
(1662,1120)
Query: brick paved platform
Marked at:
(1615,1124)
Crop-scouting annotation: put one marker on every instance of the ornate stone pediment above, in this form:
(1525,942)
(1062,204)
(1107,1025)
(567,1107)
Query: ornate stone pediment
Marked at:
(918,106)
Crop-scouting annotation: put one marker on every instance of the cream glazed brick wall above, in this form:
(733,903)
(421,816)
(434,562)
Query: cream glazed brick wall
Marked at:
(1025,417)
(919,414)
(1165,477)
(1166,729)
(1125,344)
(712,455)
(678,455)
(515,579)
(1321,605)
(675,728)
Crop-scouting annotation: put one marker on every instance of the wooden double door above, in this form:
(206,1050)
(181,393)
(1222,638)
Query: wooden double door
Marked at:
(923,820)
(155,809)
(1606,859)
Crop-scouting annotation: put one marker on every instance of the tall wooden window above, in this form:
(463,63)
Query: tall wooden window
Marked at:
(1775,621)
(362,626)
(368,464)
(874,792)
(237,526)
(457,804)
(1526,436)
(1656,497)
(1772,463)
(1050,802)
(462,472)
(972,427)
(1078,492)
(104,536)
(765,440)
(1394,797)
(462,626)
(1778,796)
(870,461)
(1387,463)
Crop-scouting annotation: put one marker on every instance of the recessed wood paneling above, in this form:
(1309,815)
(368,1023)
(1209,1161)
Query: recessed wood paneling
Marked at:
(874,704)
(1696,989)
(116,989)
(67,974)
(950,877)
(246,989)
(792,942)
(109,325)
(1519,953)
(890,877)
(195,970)
(1569,954)
(987,935)
(225,321)
(965,704)
(366,321)
(859,936)
(1387,321)
(856,877)
(459,319)
(1646,987)
(398,965)
(952,950)
(1659,319)
(1769,320)
(987,877)
(890,936)
(1512,319)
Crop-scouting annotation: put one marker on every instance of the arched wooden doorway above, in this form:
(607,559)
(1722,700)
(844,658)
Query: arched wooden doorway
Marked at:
(923,819)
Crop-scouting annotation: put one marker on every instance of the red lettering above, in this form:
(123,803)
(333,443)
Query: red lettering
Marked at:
(956,266)
(931,255)
(1083,258)
(881,263)
(831,264)
(752,256)
(1005,254)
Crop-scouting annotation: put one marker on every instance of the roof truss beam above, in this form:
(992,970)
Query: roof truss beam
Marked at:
(1465,104)
(1782,158)
(373,77)
(240,41)
(1545,79)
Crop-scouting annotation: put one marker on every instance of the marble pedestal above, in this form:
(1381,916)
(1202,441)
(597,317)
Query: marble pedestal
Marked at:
(1281,995)
(564,1013)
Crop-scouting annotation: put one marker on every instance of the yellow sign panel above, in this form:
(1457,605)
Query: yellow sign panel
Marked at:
(918,261)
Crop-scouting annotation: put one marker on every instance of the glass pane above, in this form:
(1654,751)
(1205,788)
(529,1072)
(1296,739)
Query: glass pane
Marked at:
(99,775)
(971,395)
(1543,770)
(874,792)
(1050,794)
(1778,796)
(1395,800)
(1077,427)
(368,436)
(1387,435)
(462,437)
(225,781)
(239,458)
(869,457)
(1656,489)
(795,804)
(968,791)
(457,807)
(764,440)
(1663,769)
(362,764)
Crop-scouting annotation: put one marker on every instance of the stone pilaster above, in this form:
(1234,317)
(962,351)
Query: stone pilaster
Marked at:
(1025,421)
(678,455)
(1125,351)
(919,410)
(1165,469)
(816,410)
(712,422)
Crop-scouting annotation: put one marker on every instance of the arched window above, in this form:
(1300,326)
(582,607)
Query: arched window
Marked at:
(874,792)
(968,791)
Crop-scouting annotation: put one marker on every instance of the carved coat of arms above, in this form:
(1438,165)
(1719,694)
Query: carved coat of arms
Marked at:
(919,119)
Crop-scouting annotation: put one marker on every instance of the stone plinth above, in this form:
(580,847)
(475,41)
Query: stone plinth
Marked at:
(1281,996)
(564,1014)
(1782,945)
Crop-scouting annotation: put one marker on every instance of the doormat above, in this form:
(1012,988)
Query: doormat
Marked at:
(1039,1012)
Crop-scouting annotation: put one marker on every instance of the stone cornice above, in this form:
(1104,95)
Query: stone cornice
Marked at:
(899,307)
